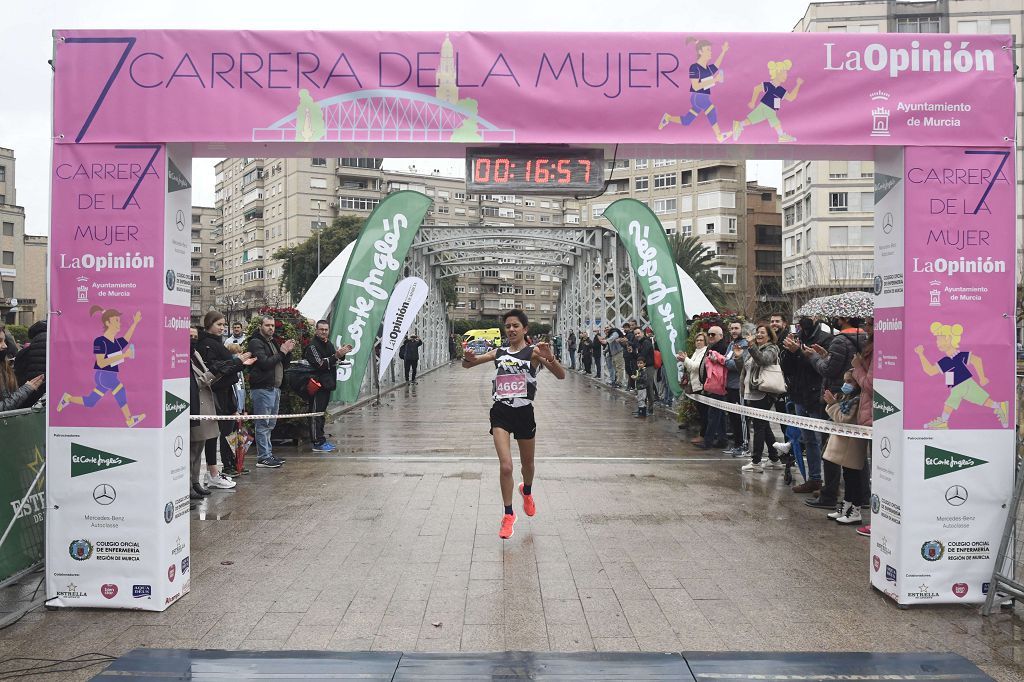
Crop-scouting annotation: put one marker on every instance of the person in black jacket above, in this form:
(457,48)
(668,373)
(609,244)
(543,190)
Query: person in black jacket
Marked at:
(265,378)
(323,357)
(832,364)
(410,352)
(805,390)
(31,359)
(643,349)
(227,366)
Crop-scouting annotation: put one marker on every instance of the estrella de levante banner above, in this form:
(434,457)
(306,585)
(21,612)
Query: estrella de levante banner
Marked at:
(647,245)
(369,279)
(24,437)
(411,90)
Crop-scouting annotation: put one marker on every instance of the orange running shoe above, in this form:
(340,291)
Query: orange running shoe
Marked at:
(528,505)
(507,521)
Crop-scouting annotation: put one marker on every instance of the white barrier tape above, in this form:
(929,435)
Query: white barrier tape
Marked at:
(820,425)
(248,417)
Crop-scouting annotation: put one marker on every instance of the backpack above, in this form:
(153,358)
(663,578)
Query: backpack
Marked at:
(657,359)
(401,350)
(297,376)
(713,374)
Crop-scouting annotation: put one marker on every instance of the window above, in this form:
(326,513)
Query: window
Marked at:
(572,220)
(7,258)
(317,224)
(460,196)
(707,200)
(8,229)
(8,289)
(917,24)
(730,225)
(443,210)
(837,202)
(253,274)
(490,273)
(665,205)
(768,260)
(664,180)
(531,217)
(768,234)
(3,173)
(598,209)
(728,275)
(788,215)
(545,219)
(838,235)
(317,204)
(197,248)
(686,178)
(709,227)
(788,246)
(867,201)
(196,218)
(838,169)
(686,227)
(640,164)
(318,183)
(252,195)
(642,182)
(358,203)
(319,162)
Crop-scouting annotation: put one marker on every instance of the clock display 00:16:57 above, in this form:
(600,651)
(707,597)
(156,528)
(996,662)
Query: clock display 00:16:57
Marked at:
(541,171)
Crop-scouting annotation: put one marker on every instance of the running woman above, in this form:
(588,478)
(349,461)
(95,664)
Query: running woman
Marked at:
(513,390)
(771,93)
(703,76)
(110,350)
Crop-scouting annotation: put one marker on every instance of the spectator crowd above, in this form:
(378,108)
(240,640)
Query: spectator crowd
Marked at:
(812,368)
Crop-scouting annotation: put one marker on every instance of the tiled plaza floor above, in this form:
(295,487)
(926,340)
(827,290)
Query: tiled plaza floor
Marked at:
(641,542)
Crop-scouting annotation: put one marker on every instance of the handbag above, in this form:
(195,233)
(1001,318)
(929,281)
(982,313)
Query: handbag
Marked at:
(769,379)
(715,373)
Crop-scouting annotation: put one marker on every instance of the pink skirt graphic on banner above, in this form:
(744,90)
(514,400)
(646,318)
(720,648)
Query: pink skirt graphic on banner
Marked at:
(108,204)
(959,289)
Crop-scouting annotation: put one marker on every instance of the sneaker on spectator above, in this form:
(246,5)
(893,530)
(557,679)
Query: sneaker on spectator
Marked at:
(774,464)
(234,473)
(865,531)
(783,448)
(820,503)
(322,447)
(220,481)
(752,468)
(851,516)
(841,508)
(268,463)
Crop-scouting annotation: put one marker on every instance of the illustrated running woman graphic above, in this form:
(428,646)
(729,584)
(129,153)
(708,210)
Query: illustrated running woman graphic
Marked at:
(955,366)
(771,93)
(110,350)
(703,76)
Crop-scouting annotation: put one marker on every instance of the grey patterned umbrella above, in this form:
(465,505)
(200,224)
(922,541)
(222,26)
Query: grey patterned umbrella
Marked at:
(813,308)
(849,304)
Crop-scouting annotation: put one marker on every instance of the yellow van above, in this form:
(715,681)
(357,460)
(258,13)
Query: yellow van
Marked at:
(491,336)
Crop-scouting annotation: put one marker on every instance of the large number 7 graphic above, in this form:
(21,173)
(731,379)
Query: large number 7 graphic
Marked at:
(995,176)
(129,43)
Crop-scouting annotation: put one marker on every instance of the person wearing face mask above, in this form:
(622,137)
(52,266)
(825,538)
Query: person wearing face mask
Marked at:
(805,386)
(13,396)
(848,453)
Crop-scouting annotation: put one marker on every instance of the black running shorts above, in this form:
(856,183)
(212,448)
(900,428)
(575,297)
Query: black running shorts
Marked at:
(518,421)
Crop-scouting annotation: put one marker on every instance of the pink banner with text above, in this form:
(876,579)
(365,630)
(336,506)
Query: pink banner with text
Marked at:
(581,88)
(959,275)
(106,265)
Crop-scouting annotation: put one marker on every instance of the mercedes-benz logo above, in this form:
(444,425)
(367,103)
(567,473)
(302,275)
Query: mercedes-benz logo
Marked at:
(886,447)
(887,223)
(179,446)
(956,495)
(179,220)
(104,494)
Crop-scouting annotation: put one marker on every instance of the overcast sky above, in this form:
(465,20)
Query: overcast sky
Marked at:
(25,46)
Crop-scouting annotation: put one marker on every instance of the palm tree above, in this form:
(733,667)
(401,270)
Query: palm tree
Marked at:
(696,260)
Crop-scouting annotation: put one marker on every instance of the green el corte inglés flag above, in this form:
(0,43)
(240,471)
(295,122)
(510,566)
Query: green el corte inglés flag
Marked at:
(645,241)
(373,269)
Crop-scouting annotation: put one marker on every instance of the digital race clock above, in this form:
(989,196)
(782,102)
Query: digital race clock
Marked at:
(550,169)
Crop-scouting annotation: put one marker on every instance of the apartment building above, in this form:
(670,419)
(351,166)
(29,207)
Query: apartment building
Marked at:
(23,261)
(702,198)
(827,206)
(269,204)
(761,249)
(207,259)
